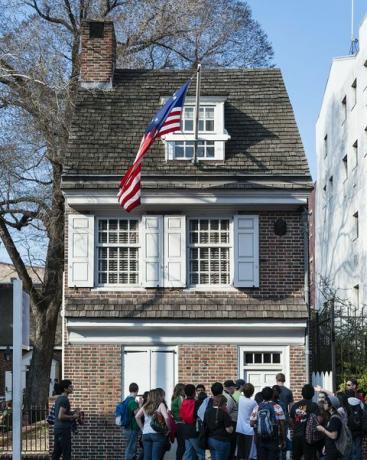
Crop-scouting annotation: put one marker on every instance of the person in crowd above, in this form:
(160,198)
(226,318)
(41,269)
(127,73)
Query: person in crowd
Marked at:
(216,389)
(131,433)
(153,442)
(245,432)
(357,423)
(285,395)
(176,401)
(219,428)
(352,385)
(343,400)
(238,392)
(200,393)
(64,419)
(259,397)
(232,409)
(298,419)
(188,415)
(268,419)
(332,429)
(276,398)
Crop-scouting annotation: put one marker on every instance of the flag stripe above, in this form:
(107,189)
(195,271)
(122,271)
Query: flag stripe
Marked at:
(126,192)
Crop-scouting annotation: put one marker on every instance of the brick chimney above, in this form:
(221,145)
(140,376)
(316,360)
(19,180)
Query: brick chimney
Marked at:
(98,54)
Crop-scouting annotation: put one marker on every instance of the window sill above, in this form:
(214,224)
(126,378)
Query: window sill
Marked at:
(118,288)
(211,289)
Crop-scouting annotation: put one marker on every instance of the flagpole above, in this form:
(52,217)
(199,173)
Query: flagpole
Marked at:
(197,113)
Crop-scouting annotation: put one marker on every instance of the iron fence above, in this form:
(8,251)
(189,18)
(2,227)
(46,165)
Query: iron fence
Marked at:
(35,436)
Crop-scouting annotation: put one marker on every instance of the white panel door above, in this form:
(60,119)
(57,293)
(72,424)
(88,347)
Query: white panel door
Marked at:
(149,367)
(163,371)
(260,379)
(136,367)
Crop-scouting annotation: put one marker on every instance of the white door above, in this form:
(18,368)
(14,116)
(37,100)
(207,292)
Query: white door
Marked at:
(150,367)
(259,365)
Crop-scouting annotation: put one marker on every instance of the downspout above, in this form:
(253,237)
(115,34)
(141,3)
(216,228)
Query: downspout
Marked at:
(307,290)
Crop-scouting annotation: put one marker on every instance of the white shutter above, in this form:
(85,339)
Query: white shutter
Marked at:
(81,251)
(174,251)
(246,251)
(152,251)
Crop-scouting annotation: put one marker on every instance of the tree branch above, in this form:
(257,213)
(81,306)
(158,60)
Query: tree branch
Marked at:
(47,16)
(18,263)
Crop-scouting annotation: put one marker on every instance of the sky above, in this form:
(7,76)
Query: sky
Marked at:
(306,35)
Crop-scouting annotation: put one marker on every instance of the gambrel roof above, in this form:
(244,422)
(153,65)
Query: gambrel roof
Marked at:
(265,141)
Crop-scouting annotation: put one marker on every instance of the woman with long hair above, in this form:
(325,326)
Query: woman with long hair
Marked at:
(219,428)
(153,442)
(176,401)
(333,428)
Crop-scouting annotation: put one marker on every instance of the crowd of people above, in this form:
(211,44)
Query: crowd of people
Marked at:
(234,423)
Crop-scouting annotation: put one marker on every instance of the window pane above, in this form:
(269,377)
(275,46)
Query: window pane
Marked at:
(258,358)
(210,113)
(189,153)
(102,237)
(248,358)
(179,151)
(188,125)
(201,125)
(210,153)
(209,125)
(276,358)
(267,357)
(189,113)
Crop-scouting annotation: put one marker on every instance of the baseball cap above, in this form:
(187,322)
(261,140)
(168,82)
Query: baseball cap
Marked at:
(229,383)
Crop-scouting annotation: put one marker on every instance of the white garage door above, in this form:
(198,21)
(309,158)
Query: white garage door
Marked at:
(150,367)
(260,365)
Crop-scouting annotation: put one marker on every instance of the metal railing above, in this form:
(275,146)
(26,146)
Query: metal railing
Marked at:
(35,432)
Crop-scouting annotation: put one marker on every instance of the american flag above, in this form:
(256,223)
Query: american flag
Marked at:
(167,120)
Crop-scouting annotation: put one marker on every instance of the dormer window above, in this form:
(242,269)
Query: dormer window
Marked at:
(212,134)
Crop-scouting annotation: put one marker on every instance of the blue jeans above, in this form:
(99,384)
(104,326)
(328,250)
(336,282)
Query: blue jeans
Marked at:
(153,444)
(131,438)
(192,450)
(219,450)
(356,453)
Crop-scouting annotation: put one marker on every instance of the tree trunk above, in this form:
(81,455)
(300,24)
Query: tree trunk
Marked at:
(43,348)
(46,312)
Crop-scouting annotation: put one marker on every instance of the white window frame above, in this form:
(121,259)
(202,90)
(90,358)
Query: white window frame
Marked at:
(284,360)
(219,135)
(230,246)
(97,246)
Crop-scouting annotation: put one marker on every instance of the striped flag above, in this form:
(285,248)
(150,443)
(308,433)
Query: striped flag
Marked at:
(167,120)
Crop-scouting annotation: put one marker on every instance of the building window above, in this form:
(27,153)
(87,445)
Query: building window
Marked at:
(184,150)
(356,296)
(345,167)
(344,106)
(355,153)
(206,119)
(325,146)
(355,226)
(262,358)
(354,93)
(118,251)
(209,249)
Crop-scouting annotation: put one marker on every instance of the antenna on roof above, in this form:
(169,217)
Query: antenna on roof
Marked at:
(354,41)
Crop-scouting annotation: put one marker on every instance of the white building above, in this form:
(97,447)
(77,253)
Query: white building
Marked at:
(341,205)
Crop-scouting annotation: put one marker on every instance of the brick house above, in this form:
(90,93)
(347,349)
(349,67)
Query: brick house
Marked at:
(205,280)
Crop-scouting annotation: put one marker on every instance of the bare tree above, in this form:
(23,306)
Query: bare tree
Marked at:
(39,70)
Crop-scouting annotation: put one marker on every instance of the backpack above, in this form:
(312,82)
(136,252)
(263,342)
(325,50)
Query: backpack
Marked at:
(355,418)
(311,434)
(187,411)
(51,417)
(266,424)
(122,416)
(344,442)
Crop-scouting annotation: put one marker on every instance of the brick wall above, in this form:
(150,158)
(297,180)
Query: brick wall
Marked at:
(207,364)
(96,373)
(297,370)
